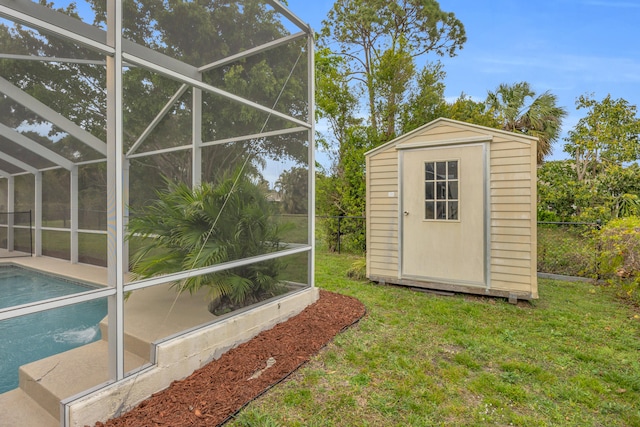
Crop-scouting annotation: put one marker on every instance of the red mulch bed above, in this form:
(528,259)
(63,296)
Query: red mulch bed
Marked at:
(212,394)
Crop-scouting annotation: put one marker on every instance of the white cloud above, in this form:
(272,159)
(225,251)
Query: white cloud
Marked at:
(583,67)
(618,4)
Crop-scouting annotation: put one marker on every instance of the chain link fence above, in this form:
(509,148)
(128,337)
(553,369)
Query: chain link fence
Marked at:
(341,233)
(564,248)
(569,248)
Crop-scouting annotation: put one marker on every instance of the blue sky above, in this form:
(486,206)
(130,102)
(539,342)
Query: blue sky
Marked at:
(569,47)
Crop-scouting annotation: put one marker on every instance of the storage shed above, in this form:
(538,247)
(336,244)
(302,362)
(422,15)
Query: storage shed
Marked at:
(452,206)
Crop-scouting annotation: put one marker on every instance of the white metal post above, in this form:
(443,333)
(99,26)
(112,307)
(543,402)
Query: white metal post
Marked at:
(312,160)
(196,151)
(115,221)
(125,205)
(38,213)
(11,207)
(73,208)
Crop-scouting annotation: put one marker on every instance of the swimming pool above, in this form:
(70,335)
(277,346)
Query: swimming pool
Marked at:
(36,336)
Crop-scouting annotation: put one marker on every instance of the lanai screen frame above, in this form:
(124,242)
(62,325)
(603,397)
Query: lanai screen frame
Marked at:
(119,51)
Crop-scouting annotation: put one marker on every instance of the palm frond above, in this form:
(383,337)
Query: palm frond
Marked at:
(188,228)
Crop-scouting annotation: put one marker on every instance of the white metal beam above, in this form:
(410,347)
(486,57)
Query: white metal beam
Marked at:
(141,62)
(255,136)
(47,20)
(253,51)
(218,142)
(157,119)
(52,59)
(34,147)
(26,100)
(176,277)
(279,7)
(48,304)
(18,163)
(160,151)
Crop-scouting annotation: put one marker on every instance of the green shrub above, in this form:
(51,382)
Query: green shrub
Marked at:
(620,254)
(358,270)
(186,229)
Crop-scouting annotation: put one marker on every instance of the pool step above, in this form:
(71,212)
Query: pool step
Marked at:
(50,380)
(21,410)
(153,313)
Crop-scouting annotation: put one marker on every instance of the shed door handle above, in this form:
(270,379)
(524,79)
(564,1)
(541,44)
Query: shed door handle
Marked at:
(406,213)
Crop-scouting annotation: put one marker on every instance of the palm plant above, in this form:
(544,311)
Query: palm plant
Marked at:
(188,228)
(541,117)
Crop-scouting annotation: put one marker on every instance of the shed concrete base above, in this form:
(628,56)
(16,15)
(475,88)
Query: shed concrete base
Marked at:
(178,356)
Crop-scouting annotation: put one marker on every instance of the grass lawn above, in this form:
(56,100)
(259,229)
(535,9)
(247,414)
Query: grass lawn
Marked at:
(571,358)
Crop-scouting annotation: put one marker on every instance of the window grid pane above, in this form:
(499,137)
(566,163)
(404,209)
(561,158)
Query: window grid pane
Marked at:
(441,190)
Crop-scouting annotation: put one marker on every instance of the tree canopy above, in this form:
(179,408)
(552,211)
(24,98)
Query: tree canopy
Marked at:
(379,41)
(197,33)
(607,135)
(518,109)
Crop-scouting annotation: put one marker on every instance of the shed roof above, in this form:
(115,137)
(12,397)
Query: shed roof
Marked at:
(456,123)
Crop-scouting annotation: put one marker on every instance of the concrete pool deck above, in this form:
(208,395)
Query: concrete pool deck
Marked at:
(50,380)
(156,319)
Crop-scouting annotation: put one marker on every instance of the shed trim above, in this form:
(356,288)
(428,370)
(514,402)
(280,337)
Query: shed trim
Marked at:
(486,154)
(482,141)
(400,210)
(444,281)
(525,139)
(445,142)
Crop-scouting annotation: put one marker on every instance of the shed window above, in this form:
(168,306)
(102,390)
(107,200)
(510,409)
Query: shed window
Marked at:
(441,190)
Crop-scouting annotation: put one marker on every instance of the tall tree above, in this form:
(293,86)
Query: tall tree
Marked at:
(336,101)
(292,186)
(519,110)
(426,102)
(380,40)
(607,135)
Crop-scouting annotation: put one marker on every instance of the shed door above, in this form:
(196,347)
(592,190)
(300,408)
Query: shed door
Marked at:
(443,237)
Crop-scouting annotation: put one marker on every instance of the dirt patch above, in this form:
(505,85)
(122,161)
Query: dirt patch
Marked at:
(212,394)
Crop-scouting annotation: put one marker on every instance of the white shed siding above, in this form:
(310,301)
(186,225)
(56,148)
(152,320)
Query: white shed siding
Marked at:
(382,214)
(512,256)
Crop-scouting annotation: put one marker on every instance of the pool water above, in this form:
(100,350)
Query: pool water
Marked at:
(35,336)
